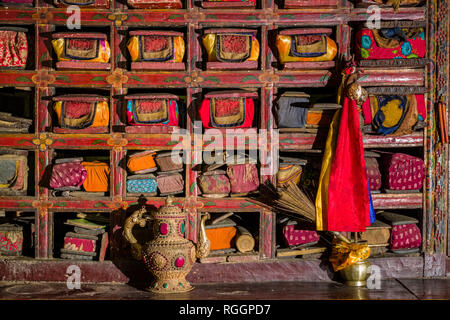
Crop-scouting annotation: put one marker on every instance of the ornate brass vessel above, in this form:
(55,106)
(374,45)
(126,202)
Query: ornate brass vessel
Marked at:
(169,256)
(357,274)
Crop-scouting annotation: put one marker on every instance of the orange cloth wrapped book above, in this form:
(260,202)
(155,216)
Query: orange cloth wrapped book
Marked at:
(98,176)
(142,162)
(221,238)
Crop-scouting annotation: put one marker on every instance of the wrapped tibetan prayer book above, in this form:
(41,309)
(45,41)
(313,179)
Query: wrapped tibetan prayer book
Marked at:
(214,184)
(304,4)
(11,239)
(68,174)
(377,236)
(221,234)
(228,4)
(228,109)
(11,124)
(243,178)
(373,170)
(13,172)
(294,235)
(170,183)
(75,112)
(396,43)
(405,234)
(157,109)
(81,50)
(155,4)
(142,162)
(290,170)
(97,179)
(13,47)
(142,184)
(306,48)
(231,49)
(156,50)
(169,162)
(292,109)
(16,3)
(402,172)
(94,4)
(396,114)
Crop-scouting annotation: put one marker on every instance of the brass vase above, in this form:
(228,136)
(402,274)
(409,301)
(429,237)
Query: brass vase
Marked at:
(357,274)
(169,256)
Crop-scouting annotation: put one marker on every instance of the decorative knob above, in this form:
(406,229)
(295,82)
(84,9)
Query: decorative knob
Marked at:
(169,201)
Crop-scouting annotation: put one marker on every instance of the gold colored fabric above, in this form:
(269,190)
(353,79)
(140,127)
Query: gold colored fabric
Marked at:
(104,52)
(101,118)
(161,114)
(344,254)
(318,46)
(324,179)
(411,114)
(411,117)
(387,43)
(289,173)
(392,108)
(234,118)
(227,56)
(284,43)
(87,54)
(397,3)
(134,43)
(209,43)
(167,52)
(383,42)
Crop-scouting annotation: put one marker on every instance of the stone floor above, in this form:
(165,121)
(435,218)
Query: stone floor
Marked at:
(394,289)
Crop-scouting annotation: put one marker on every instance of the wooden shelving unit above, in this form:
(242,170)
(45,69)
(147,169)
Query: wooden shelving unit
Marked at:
(44,19)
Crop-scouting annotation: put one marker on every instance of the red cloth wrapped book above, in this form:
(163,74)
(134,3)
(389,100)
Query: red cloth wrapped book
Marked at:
(228,109)
(13,47)
(295,236)
(403,172)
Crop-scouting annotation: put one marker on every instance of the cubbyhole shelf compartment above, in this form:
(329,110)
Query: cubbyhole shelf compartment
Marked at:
(17,234)
(78,65)
(400,237)
(125,112)
(19,48)
(237,62)
(151,57)
(208,94)
(23,186)
(98,115)
(228,174)
(17,110)
(385,199)
(317,118)
(233,6)
(234,239)
(307,4)
(80,236)
(98,180)
(297,239)
(320,49)
(160,178)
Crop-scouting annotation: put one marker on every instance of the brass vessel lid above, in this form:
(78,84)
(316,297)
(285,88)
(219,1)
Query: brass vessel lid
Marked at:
(170,208)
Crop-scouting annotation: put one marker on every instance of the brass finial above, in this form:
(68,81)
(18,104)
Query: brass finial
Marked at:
(169,201)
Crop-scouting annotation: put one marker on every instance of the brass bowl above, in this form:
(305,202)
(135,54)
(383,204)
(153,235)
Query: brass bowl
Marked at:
(357,274)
